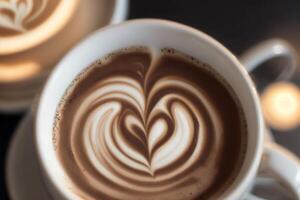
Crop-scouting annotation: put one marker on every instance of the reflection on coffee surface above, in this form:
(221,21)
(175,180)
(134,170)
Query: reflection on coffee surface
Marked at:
(19,16)
(143,125)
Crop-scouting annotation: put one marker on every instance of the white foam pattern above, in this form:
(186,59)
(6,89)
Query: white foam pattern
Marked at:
(145,144)
(22,13)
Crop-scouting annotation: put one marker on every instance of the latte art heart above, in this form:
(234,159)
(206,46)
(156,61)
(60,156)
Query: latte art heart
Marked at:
(17,14)
(135,134)
(120,131)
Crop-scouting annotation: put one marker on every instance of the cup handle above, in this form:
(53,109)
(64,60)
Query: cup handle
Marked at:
(283,166)
(267,50)
(277,161)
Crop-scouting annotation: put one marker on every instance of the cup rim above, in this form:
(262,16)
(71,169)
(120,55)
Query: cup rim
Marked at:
(246,178)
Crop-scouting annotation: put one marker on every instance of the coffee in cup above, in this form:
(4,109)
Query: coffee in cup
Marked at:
(145,124)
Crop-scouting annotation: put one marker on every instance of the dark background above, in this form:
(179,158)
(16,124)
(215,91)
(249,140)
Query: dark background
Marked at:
(237,24)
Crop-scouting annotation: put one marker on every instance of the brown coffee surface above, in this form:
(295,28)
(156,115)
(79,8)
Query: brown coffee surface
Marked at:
(20,16)
(138,125)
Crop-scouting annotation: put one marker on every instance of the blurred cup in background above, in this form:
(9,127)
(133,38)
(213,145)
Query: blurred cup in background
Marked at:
(35,34)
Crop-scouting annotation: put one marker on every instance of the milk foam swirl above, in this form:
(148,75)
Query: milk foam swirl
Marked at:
(171,133)
(131,128)
(22,13)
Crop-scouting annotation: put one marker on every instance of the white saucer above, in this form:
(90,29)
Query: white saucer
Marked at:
(24,180)
(23,177)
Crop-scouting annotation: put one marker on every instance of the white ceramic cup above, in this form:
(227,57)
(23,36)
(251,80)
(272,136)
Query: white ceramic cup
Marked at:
(159,34)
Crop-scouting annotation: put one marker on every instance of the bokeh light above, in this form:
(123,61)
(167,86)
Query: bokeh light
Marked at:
(281,105)
(19,71)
